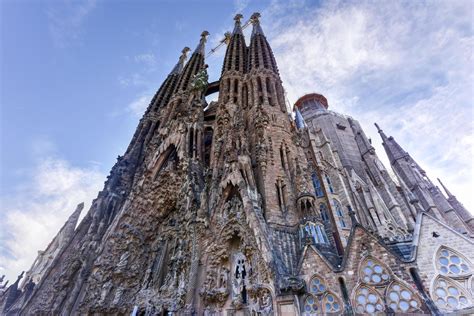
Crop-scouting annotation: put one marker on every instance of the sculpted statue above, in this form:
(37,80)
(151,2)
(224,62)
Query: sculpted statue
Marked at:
(199,84)
(105,290)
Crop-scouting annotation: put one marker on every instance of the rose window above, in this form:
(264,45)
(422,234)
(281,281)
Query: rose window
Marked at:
(317,286)
(368,301)
(374,273)
(331,303)
(401,299)
(449,296)
(310,306)
(449,263)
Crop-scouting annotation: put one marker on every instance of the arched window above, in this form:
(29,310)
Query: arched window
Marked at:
(401,299)
(310,306)
(331,303)
(323,209)
(317,185)
(328,181)
(340,215)
(448,295)
(451,263)
(373,272)
(317,286)
(368,301)
(314,232)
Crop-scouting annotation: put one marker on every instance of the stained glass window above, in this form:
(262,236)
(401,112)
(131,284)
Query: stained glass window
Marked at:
(373,272)
(331,303)
(315,232)
(401,299)
(328,181)
(310,306)
(317,286)
(339,213)
(368,301)
(448,295)
(324,211)
(451,263)
(317,185)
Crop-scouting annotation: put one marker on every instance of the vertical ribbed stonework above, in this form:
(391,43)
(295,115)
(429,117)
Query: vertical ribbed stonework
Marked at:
(232,85)
(263,70)
(196,62)
(150,123)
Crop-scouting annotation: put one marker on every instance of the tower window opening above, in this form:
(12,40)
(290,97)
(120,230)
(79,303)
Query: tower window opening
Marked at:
(317,185)
(208,135)
(328,181)
(282,158)
(313,233)
(339,213)
(323,209)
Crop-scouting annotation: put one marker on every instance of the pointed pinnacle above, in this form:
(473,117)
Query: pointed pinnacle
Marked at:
(378,128)
(238,17)
(255,18)
(445,189)
(204,34)
(202,41)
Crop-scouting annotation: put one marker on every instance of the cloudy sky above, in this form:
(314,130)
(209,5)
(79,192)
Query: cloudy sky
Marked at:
(77,75)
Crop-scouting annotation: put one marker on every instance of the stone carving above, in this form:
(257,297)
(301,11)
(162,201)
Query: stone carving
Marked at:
(189,225)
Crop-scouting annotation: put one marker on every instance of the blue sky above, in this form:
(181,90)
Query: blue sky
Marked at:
(76,76)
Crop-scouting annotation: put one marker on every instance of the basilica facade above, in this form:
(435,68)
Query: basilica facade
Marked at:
(239,207)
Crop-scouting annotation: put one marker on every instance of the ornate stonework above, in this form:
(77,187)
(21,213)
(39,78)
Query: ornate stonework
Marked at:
(236,208)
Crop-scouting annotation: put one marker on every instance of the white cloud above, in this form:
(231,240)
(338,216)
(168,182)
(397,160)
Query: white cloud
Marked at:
(33,215)
(66,20)
(139,105)
(148,59)
(405,65)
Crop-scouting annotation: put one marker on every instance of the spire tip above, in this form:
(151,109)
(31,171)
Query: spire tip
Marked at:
(238,17)
(378,128)
(255,18)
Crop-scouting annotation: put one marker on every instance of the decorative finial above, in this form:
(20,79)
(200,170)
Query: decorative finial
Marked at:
(204,34)
(378,128)
(238,17)
(185,51)
(255,18)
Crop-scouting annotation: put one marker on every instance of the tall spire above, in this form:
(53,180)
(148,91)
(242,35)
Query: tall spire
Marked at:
(235,56)
(257,29)
(200,49)
(238,26)
(260,53)
(392,148)
(182,59)
(196,62)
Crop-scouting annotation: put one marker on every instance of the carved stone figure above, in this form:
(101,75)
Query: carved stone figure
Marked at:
(235,208)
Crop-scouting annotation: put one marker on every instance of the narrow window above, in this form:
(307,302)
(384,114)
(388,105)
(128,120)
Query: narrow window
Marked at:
(340,215)
(328,181)
(317,185)
(324,212)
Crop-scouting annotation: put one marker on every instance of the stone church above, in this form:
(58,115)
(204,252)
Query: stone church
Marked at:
(239,207)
